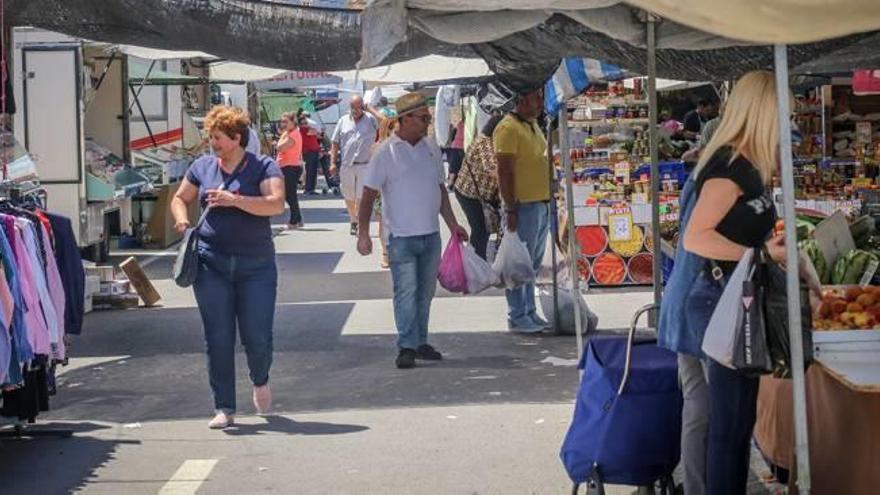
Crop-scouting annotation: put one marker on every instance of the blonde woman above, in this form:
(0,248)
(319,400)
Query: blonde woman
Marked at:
(733,212)
(387,125)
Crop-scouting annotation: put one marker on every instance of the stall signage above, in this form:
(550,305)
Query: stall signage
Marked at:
(620,224)
(299,79)
(863,133)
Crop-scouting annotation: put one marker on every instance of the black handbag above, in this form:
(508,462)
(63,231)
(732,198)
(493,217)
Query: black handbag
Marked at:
(751,352)
(775,302)
(186,264)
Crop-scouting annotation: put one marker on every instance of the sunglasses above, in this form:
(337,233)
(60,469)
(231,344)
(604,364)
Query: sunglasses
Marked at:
(427,119)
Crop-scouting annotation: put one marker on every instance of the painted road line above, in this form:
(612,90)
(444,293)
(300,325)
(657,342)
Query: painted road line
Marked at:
(189,477)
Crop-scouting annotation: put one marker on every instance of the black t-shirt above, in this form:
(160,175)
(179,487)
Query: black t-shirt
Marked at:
(750,221)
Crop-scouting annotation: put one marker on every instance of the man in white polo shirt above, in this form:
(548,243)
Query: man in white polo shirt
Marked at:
(407,169)
(353,137)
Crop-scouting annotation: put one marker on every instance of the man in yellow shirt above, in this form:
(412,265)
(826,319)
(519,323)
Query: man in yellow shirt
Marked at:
(524,182)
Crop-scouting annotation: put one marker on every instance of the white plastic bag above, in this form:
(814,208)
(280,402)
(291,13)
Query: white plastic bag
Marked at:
(589,320)
(479,274)
(720,337)
(513,262)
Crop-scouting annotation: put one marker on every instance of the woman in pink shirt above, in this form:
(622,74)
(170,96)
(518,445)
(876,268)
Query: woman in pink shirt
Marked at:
(290,159)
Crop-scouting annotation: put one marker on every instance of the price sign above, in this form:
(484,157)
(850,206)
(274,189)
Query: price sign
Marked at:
(620,225)
(621,169)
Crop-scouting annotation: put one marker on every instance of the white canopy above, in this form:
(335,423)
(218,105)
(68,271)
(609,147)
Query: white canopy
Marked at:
(425,69)
(154,54)
(243,72)
(688,24)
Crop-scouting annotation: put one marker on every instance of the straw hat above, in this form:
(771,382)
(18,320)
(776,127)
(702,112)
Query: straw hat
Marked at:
(409,103)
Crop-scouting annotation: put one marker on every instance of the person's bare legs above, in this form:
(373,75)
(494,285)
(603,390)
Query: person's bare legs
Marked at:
(384,242)
(352,207)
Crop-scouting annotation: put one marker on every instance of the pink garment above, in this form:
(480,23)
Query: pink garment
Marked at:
(458,140)
(56,292)
(37,331)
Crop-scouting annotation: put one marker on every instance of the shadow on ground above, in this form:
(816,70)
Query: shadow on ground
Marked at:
(282,424)
(55,465)
(315,368)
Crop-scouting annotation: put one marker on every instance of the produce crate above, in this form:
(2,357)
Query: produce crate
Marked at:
(608,264)
(850,356)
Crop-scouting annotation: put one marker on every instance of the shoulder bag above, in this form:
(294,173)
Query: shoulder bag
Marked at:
(491,212)
(186,264)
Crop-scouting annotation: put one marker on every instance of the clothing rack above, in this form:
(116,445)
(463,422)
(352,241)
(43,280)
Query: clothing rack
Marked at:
(23,193)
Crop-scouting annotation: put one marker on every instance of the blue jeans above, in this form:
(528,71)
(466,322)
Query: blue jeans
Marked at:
(414,264)
(532,229)
(733,398)
(230,290)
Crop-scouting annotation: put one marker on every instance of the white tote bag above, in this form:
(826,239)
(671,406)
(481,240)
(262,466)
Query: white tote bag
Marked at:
(479,273)
(718,342)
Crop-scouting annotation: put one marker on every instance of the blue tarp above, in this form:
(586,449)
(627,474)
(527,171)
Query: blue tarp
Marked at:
(574,76)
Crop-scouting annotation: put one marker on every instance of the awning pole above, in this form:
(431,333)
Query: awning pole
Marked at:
(802,446)
(573,251)
(554,225)
(655,162)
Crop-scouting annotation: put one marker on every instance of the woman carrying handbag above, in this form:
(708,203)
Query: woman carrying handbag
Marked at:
(236,278)
(733,212)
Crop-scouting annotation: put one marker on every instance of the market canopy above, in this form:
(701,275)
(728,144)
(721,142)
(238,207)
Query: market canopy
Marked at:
(523,41)
(143,74)
(269,33)
(431,68)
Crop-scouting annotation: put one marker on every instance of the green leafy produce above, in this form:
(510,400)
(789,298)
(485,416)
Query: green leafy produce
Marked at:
(849,268)
(811,248)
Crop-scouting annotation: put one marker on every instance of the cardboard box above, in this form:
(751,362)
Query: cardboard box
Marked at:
(115,288)
(93,285)
(140,282)
(124,301)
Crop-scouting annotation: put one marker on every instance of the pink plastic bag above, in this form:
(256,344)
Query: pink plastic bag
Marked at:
(451,274)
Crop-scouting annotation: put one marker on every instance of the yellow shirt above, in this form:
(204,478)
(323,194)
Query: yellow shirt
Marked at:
(526,143)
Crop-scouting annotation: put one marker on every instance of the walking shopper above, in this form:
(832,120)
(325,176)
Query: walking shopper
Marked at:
(455,152)
(524,183)
(311,150)
(407,169)
(237,278)
(387,127)
(477,185)
(352,138)
(290,159)
(733,212)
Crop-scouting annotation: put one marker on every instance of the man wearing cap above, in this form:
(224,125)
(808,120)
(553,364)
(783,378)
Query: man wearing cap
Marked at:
(352,139)
(524,183)
(407,169)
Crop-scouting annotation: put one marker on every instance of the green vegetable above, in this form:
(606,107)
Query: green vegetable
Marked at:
(811,249)
(850,267)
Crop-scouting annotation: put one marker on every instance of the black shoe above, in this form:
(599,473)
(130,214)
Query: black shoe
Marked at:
(354,229)
(428,353)
(406,359)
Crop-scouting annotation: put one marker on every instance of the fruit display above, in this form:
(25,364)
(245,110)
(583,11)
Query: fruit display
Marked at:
(609,269)
(811,248)
(592,239)
(631,247)
(848,308)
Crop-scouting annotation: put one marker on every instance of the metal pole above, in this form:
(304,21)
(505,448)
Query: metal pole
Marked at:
(143,82)
(655,163)
(554,226)
(572,242)
(802,446)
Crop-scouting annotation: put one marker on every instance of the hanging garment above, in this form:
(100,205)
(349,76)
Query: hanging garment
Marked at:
(447,98)
(46,305)
(37,331)
(71,271)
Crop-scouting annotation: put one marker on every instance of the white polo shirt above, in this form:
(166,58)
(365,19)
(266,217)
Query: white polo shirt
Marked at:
(409,178)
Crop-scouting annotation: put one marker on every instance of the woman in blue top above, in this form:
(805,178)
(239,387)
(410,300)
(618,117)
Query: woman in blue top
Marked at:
(238,279)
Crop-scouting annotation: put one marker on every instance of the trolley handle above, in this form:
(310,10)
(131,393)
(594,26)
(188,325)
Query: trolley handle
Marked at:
(629,342)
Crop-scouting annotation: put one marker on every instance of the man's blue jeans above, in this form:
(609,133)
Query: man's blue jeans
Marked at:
(236,291)
(533,226)
(414,264)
